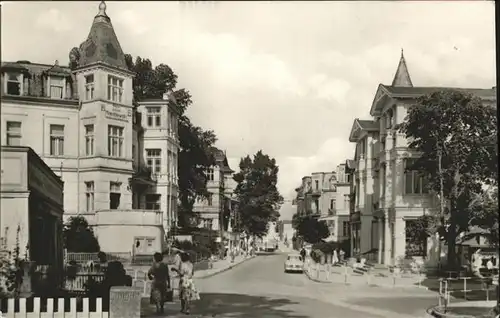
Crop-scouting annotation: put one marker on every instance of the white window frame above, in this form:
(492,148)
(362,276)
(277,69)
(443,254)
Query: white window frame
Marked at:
(13,133)
(56,146)
(115,89)
(89,86)
(210,174)
(153,204)
(20,81)
(89,140)
(153,161)
(153,114)
(115,137)
(62,84)
(417,181)
(90,196)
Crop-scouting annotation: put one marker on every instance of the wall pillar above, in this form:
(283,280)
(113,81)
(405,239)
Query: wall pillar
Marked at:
(400,238)
(387,241)
(380,238)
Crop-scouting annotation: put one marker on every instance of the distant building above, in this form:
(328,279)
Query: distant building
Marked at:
(326,195)
(118,160)
(387,197)
(215,212)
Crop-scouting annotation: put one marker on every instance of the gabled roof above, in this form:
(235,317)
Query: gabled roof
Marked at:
(221,159)
(361,125)
(57,70)
(102,45)
(384,91)
(402,77)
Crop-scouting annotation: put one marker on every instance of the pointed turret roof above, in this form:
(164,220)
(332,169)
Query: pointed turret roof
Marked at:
(102,44)
(402,76)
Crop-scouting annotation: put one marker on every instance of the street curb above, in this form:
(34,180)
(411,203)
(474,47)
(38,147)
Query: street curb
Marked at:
(225,269)
(368,285)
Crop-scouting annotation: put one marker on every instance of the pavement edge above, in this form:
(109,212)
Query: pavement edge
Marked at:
(369,285)
(225,269)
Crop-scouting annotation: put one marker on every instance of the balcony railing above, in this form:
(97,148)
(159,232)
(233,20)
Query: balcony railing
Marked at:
(142,176)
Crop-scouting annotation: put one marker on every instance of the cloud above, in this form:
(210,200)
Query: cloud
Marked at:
(53,20)
(285,77)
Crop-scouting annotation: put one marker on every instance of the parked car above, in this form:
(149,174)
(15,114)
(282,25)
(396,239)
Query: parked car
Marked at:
(294,263)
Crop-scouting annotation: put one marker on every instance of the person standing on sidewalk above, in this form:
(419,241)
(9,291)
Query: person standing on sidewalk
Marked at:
(159,274)
(188,291)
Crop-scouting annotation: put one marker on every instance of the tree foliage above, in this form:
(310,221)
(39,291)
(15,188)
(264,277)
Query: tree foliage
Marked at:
(195,143)
(79,237)
(457,128)
(257,193)
(485,217)
(310,228)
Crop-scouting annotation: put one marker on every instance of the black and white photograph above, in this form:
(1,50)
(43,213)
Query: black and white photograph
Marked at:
(248,159)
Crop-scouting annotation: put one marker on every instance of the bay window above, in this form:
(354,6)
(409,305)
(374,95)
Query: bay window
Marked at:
(115,141)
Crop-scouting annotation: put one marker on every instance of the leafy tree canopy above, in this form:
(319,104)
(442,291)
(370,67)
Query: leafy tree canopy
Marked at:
(195,143)
(455,134)
(257,193)
(310,228)
(79,237)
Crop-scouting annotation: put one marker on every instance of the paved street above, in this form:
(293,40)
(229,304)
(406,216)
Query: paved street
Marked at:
(260,288)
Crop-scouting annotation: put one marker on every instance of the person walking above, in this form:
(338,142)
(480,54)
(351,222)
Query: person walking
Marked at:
(303,254)
(188,291)
(159,274)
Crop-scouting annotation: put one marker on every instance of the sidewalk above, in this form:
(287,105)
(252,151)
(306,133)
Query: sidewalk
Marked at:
(344,275)
(221,266)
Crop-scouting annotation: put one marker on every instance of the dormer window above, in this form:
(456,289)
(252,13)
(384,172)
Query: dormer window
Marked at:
(115,89)
(56,87)
(14,84)
(89,87)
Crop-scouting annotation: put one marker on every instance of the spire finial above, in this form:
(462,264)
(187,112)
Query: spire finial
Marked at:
(102,8)
(402,55)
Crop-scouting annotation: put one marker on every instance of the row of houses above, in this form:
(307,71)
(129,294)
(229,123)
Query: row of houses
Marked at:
(76,143)
(384,197)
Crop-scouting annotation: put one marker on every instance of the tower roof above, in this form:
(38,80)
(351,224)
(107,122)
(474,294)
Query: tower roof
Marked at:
(402,76)
(102,44)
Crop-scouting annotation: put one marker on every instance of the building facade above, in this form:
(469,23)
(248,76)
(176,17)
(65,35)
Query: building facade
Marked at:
(326,195)
(32,207)
(215,212)
(387,196)
(112,154)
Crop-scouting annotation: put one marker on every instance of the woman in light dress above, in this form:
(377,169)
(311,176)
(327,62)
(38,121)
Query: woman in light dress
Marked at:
(188,291)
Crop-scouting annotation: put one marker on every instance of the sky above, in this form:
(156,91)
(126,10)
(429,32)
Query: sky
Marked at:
(285,77)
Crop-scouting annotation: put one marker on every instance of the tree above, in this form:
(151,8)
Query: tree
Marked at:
(310,228)
(79,237)
(257,193)
(195,143)
(485,217)
(455,135)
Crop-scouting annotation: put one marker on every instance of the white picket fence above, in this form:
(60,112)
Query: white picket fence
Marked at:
(51,312)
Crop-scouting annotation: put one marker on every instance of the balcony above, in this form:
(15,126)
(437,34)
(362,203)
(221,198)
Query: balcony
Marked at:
(129,217)
(142,177)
